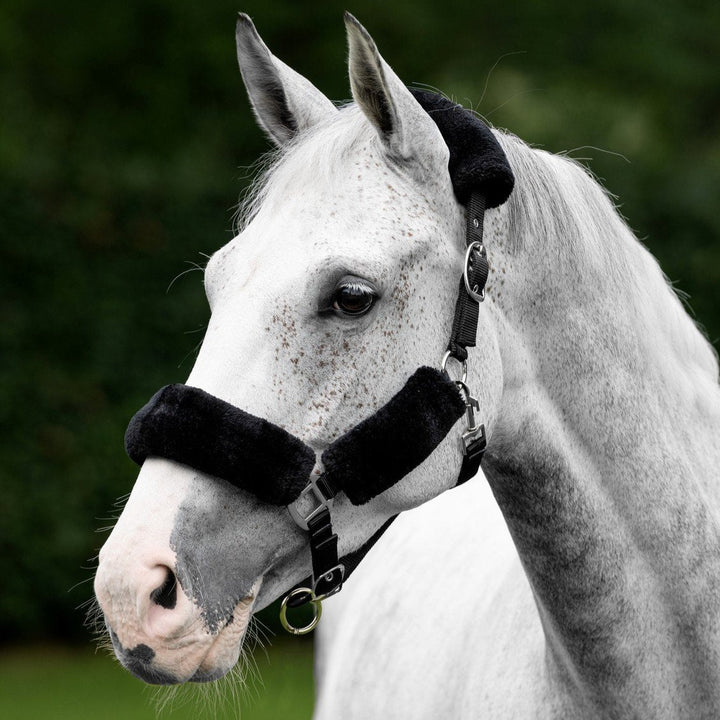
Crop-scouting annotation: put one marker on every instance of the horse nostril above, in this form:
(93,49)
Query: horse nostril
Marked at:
(166,595)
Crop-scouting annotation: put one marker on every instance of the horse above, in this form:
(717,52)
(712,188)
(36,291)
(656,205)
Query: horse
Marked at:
(577,575)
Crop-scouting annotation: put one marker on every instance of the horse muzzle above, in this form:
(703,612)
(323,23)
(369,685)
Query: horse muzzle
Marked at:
(160,635)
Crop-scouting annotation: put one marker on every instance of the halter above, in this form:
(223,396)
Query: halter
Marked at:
(190,426)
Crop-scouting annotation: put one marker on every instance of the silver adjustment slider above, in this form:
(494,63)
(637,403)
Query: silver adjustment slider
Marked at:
(309,503)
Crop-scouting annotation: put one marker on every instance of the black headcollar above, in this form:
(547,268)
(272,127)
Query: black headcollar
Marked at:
(190,426)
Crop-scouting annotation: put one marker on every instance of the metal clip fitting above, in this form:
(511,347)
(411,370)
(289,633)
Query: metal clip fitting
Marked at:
(473,440)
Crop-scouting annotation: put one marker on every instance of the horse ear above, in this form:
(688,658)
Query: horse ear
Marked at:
(284,102)
(382,96)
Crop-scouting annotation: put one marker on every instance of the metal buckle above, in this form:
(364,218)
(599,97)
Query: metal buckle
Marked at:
(329,576)
(475,292)
(302,518)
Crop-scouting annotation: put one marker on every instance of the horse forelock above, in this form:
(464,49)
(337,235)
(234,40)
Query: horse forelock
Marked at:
(311,156)
(318,157)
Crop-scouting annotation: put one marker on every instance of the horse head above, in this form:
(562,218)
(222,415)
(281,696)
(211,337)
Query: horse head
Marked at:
(341,283)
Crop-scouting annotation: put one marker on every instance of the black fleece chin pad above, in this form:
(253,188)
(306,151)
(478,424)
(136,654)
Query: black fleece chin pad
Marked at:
(477,162)
(195,428)
(384,448)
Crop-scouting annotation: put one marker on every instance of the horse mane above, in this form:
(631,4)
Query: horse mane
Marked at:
(557,197)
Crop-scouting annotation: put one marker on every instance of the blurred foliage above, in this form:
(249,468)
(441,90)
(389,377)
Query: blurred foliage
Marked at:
(124,140)
(65,684)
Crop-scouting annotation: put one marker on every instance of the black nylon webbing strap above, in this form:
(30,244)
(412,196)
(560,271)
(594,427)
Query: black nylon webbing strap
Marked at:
(475,212)
(464,329)
(476,270)
(473,458)
(349,562)
(327,572)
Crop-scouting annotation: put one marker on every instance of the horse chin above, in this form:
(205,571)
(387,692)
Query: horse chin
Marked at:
(224,652)
(197,657)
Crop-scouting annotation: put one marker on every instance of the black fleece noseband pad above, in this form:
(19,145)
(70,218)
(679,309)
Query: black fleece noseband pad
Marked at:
(477,162)
(385,447)
(192,427)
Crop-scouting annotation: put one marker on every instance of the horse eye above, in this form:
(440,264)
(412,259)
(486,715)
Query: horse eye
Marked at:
(353,299)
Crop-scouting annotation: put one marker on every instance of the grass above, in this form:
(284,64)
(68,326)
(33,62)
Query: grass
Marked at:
(59,682)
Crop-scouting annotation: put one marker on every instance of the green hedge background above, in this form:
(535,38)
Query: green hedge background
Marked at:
(125,138)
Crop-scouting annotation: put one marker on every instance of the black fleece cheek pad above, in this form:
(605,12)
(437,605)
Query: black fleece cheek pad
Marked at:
(384,448)
(192,427)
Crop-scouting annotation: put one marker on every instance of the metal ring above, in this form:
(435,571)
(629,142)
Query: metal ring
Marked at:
(464,390)
(474,294)
(463,363)
(304,630)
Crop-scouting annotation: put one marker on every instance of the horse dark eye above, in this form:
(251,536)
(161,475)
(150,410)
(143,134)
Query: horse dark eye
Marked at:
(353,299)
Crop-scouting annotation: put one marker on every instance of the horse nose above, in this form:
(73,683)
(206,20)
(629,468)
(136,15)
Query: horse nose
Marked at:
(165,595)
(143,598)
(168,612)
(156,630)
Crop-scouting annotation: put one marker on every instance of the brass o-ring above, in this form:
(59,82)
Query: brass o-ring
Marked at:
(313,601)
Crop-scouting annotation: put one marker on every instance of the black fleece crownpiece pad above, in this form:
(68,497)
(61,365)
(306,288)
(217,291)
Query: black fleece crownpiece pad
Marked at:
(384,448)
(190,426)
(477,162)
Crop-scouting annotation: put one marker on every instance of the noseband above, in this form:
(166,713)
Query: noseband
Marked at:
(190,426)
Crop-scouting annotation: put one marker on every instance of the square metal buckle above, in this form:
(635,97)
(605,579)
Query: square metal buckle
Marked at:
(328,577)
(309,493)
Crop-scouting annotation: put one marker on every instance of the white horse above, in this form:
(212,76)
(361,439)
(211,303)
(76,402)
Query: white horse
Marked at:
(582,578)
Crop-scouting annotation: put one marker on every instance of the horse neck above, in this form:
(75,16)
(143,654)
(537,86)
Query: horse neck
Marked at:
(604,459)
